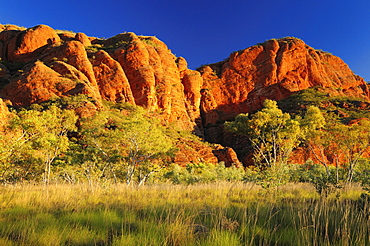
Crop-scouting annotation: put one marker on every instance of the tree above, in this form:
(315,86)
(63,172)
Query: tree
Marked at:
(272,133)
(126,138)
(316,138)
(38,138)
(353,141)
(332,142)
(9,143)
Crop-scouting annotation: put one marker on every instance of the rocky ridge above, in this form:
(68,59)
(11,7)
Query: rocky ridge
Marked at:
(40,64)
(272,70)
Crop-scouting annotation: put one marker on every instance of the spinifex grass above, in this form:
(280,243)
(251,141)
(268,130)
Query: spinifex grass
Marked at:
(212,214)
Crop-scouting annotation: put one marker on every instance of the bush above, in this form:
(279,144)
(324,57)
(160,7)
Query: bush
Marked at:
(202,173)
(325,181)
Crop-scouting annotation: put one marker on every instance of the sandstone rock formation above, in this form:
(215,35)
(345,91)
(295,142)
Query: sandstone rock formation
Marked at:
(39,83)
(83,39)
(228,156)
(39,64)
(191,151)
(273,70)
(192,82)
(112,81)
(126,68)
(26,45)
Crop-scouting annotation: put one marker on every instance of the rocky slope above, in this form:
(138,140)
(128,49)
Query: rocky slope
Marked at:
(273,70)
(39,64)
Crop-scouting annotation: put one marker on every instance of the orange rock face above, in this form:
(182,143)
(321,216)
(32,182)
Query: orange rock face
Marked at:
(272,70)
(192,82)
(154,77)
(83,39)
(228,156)
(26,45)
(74,54)
(112,81)
(39,83)
(135,62)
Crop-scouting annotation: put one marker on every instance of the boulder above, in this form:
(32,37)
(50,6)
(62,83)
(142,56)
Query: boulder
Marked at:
(83,38)
(74,54)
(228,156)
(27,45)
(39,83)
(191,151)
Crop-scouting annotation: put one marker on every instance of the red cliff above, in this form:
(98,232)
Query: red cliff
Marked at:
(273,70)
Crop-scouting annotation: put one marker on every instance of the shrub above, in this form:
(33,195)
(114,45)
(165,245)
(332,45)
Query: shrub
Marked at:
(202,173)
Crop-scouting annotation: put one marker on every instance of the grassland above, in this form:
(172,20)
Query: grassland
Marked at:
(204,214)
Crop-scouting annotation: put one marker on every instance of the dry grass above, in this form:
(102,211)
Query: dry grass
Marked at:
(208,214)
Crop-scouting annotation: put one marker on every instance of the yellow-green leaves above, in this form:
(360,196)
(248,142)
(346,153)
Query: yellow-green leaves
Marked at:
(125,144)
(36,138)
(313,119)
(273,134)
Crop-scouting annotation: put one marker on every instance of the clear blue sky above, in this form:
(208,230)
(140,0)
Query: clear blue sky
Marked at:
(207,31)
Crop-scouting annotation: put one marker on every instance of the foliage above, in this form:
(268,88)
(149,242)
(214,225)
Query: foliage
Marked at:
(120,44)
(48,142)
(313,120)
(313,96)
(362,173)
(273,135)
(339,147)
(350,108)
(122,143)
(149,41)
(323,178)
(71,102)
(130,146)
(202,173)
(352,141)
(58,31)
(33,141)
(270,178)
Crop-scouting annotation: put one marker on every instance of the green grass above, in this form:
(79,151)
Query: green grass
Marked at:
(208,214)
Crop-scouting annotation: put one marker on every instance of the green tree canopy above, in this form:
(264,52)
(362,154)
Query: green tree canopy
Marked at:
(34,139)
(126,138)
(273,134)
